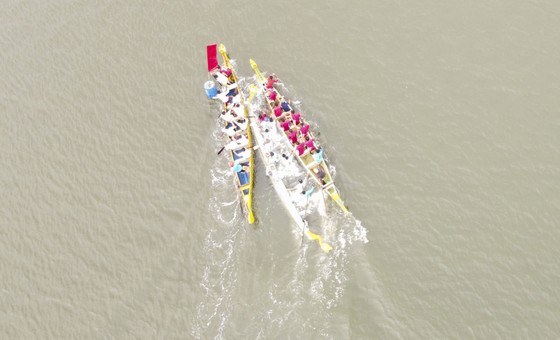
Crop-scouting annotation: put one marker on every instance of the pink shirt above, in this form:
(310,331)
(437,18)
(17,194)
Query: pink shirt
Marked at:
(226,71)
(296,116)
(310,144)
(300,148)
(293,137)
(272,95)
(270,83)
(285,125)
(278,111)
(304,129)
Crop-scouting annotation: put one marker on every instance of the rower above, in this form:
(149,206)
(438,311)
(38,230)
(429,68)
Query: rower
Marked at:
(221,78)
(277,111)
(222,96)
(226,71)
(243,154)
(285,124)
(272,95)
(270,82)
(239,167)
(320,173)
(230,130)
(318,155)
(238,109)
(228,116)
(296,116)
(292,136)
(241,123)
(239,142)
(286,107)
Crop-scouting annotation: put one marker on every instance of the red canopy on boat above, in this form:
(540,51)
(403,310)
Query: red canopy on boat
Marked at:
(211,52)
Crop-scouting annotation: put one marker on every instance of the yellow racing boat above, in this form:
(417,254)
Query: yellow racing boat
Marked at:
(235,121)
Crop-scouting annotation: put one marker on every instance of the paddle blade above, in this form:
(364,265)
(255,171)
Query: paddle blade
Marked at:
(325,246)
(252,92)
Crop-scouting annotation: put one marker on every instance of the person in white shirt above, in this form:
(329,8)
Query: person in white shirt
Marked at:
(222,79)
(240,142)
(242,123)
(230,131)
(228,116)
(246,153)
(238,109)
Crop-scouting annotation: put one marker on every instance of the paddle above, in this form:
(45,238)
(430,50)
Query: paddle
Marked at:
(306,204)
(325,246)
(254,147)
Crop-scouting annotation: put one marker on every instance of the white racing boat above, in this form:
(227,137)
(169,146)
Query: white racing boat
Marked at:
(304,146)
(288,177)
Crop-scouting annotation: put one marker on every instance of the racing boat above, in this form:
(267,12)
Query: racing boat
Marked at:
(288,177)
(234,119)
(295,130)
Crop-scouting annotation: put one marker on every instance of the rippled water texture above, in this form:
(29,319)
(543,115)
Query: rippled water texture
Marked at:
(118,220)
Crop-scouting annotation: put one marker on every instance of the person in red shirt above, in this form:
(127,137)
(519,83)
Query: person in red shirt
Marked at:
(310,144)
(292,136)
(300,148)
(278,111)
(270,82)
(296,117)
(285,125)
(304,129)
(225,71)
(272,95)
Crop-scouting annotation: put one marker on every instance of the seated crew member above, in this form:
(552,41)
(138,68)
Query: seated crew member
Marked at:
(226,71)
(230,130)
(318,155)
(243,154)
(270,82)
(237,142)
(310,144)
(221,78)
(286,125)
(278,111)
(320,174)
(296,116)
(228,116)
(292,136)
(300,149)
(242,123)
(237,167)
(238,109)
(272,95)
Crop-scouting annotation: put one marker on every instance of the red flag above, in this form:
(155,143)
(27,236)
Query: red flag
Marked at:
(211,57)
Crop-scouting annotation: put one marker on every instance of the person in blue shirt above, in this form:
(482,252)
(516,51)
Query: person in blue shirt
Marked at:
(236,167)
(318,155)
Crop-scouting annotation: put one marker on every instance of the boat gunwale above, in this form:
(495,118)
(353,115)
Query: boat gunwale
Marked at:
(247,198)
(329,187)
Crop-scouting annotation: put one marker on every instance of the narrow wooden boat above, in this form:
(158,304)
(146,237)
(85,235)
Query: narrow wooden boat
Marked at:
(234,119)
(305,146)
(286,174)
